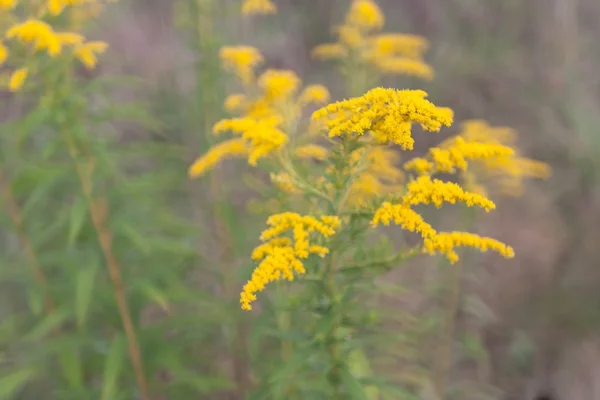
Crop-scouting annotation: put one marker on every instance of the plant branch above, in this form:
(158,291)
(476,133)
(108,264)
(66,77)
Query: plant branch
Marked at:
(98,209)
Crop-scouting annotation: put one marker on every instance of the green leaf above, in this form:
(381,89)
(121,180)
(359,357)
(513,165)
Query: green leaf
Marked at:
(47,324)
(84,291)
(11,383)
(156,296)
(78,215)
(139,241)
(70,363)
(112,368)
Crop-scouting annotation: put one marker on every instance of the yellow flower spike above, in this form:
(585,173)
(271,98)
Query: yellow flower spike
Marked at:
(17,79)
(446,243)
(424,190)
(228,148)
(388,113)
(252,7)
(365,14)
(280,257)
(403,216)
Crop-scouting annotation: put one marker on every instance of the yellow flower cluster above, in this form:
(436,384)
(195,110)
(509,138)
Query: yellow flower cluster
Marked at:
(267,110)
(388,114)
(389,53)
(251,7)
(424,190)
(280,256)
(40,37)
(491,155)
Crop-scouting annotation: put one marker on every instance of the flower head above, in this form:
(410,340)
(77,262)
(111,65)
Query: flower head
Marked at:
(386,113)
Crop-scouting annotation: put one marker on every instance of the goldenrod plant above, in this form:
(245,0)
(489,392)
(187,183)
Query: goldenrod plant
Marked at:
(315,244)
(339,178)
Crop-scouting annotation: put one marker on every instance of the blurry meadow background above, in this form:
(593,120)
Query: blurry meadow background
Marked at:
(120,274)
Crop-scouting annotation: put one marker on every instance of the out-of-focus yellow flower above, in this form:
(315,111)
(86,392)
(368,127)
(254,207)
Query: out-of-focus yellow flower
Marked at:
(235,102)
(494,163)
(350,36)
(7,4)
(387,113)
(278,84)
(388,53)
(17,79)
(241,60)
(279,256)
(251,7)
(398,44)
(70,38)
(285,182)
(3,53)
(365,14)
(229,148)
(87,53)
(317,94)
(329,51)
(455,153)
(262,136)
(312,151)
(404,66)
(37,33)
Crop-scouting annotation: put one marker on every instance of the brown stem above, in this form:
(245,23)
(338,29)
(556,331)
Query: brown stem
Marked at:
(99,215)
(15,214)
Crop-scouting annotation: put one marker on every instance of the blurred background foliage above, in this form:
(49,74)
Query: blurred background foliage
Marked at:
(519,329)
